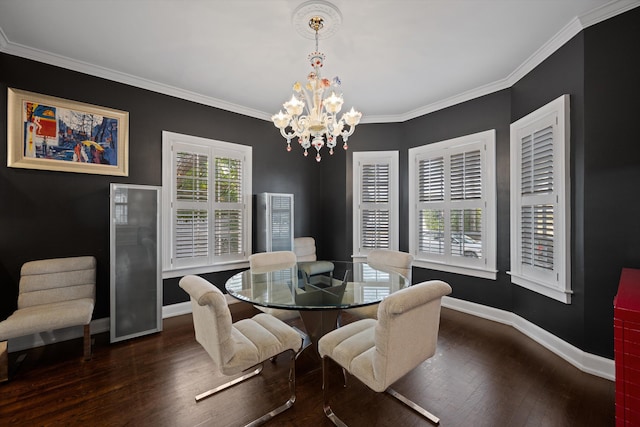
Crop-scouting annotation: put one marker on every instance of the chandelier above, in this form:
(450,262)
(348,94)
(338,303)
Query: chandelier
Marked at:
(311,115)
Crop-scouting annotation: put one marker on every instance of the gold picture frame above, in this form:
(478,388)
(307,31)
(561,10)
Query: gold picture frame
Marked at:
(49,133)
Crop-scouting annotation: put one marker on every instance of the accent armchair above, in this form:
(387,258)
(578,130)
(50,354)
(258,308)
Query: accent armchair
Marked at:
(238,347)
(380,352)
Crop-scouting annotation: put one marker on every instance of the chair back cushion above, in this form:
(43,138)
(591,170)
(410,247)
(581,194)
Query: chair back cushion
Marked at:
(211,318)
(57,280)
(305,248)
(270,261)
(406,331)
(396,261)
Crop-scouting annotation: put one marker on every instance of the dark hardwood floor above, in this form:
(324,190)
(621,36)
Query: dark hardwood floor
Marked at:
(483,374)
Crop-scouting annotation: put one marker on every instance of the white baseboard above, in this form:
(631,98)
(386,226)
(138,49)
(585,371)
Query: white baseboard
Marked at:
(586,362)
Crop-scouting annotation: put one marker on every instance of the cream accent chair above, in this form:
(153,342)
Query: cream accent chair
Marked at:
(380,352)
(271,261)
(237,347)
(384,260)
(53,294)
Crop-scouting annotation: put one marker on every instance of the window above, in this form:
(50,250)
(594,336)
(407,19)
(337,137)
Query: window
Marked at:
(452,199)
(206,210)
(375,201)
(540,228)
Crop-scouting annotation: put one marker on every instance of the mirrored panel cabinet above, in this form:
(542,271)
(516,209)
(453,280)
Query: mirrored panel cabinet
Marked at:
(136,266)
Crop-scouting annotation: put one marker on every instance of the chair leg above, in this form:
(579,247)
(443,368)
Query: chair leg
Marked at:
(325,396)
(87,342)
(231,383)
(289,403)
(419,409)
(4,362)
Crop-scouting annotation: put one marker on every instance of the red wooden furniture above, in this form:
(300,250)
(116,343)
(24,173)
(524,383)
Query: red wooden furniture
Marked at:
(626,324)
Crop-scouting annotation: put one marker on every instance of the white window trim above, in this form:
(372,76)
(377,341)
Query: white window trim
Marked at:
(392,158)
(559,288)
(486,269)
(212,146)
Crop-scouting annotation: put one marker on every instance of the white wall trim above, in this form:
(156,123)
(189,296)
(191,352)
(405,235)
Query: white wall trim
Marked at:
(586,362)
(176,309)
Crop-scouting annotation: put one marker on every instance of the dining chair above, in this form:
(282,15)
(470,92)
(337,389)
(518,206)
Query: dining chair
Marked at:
(240,347)
(384,260)
(380,352)
(271,261)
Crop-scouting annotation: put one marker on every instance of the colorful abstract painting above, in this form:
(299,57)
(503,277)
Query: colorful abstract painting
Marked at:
(57,134)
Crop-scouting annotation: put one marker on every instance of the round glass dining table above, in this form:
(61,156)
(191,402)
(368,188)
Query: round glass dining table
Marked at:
(317,289)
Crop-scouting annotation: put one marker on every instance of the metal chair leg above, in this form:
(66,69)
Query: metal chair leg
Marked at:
(419,409)
(289,403)
(231,383)
(325,396)
(338,422)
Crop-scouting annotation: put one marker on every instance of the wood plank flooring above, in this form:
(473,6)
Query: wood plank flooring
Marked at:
(483,374)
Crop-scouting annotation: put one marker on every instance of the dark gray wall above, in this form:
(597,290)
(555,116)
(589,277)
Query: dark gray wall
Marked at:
(48,214)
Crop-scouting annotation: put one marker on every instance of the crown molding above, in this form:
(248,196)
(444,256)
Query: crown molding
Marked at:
(117,76)
(576,25)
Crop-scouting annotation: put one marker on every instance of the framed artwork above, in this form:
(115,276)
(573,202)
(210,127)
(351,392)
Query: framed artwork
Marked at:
(44,132)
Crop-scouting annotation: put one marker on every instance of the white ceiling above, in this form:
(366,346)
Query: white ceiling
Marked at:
(397,59)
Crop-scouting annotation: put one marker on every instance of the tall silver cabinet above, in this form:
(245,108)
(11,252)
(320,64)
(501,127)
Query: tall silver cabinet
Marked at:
(274,222)
(136,263)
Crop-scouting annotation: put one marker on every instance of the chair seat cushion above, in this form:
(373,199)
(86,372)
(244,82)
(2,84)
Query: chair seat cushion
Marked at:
(258,339)
(46,317)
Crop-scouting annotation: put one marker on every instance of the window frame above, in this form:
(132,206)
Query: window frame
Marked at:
(376,157)
(484,266)
(555,283)
(211,148)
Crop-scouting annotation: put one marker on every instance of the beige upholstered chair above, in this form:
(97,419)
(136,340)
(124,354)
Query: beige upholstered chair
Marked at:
(237,347)
(271,261)
(308,264)
(53,294)
(384,260)
(380,352)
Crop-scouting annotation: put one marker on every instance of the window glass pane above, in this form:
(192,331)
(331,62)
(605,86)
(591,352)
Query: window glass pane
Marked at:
(375,228)
(228,180)
(466,176)
(466,232)
(431,180)
(191,177)
(228,232)
(191,233)
(431,232)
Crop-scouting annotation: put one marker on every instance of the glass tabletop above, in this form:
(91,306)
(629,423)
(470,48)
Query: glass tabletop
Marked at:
(316,285)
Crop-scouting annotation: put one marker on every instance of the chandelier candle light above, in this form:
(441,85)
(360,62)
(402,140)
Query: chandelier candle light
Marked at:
(320,121)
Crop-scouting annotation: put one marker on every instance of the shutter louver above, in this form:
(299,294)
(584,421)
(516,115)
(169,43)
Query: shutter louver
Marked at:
(375,217)
(192,177)
(191,234)
(228,232)
(466,176)
(431,180)
(431,226)
(537,162)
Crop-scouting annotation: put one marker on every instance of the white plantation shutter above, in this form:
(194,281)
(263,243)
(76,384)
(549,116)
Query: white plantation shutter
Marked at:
(452,194)
(206,210)
(228,205)
(375,201)
(539,227)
